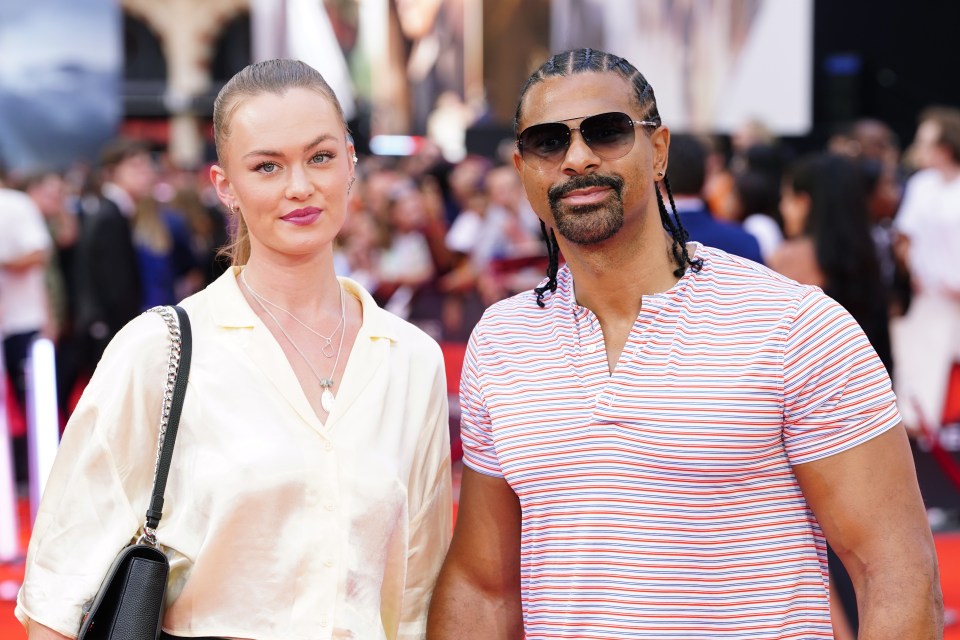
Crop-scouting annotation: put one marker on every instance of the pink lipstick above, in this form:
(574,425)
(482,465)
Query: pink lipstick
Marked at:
(304,216)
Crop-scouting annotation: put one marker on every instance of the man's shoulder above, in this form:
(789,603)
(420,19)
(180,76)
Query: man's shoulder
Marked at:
(726,273)
(519,315)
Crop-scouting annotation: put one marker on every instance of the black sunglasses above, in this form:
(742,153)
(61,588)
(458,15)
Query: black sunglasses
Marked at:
(609,135)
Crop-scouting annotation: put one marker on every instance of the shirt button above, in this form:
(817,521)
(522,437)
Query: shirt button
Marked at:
(328,562)
(323,621)
(329,506)
(328,447)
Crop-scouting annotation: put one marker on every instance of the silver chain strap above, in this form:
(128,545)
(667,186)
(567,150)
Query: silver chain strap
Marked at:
(173,365)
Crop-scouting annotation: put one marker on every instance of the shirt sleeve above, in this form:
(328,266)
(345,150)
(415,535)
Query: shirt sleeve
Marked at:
(431,524)
(837,393)
(24,230)
(98,490)
(476,431)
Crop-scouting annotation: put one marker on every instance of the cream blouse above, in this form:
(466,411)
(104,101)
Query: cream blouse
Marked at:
(278,527)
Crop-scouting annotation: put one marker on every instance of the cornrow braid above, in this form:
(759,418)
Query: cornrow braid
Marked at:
(553,264)
(679,234)
(587,60)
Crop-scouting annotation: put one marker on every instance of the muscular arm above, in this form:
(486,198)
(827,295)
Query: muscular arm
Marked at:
(478,592)
(868,504)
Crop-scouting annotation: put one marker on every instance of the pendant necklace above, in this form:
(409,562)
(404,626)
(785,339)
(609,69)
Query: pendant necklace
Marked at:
(327,397)
(327,348)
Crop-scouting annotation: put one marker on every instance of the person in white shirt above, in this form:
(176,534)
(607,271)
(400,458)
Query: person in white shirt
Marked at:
(927,339)
(309,494)
(25,246)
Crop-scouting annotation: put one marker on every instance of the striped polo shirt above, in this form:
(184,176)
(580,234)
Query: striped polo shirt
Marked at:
(659,501)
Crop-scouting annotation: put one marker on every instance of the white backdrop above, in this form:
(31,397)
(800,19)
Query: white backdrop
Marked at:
(713,64)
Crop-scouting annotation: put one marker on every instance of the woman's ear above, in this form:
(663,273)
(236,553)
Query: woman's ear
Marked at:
(222,184)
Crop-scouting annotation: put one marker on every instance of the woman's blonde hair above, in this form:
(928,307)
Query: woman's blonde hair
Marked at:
(269,76)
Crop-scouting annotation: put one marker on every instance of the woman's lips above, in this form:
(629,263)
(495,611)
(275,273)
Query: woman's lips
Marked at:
(304,216)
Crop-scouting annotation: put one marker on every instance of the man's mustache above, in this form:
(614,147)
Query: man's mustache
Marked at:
(557,191)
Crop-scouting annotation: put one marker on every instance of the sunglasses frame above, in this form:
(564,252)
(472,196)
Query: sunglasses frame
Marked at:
(570,130)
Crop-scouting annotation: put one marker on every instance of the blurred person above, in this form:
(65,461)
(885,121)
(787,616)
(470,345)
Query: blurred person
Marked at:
(405,264)
(462,304)
(164,254)
(754,204)
(718,179)
(750,133)
(48,190)
(25,248)
(927,338)
(884,191)
(687,174)
(206,225)
(107,286)
(660,438)
(829,245)
(313,445)
(866,138)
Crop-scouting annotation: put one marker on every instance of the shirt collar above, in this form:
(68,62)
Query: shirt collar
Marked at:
(689,203)
(230,308)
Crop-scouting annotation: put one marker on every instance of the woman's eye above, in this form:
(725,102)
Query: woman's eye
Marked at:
(266,167)
(322,157)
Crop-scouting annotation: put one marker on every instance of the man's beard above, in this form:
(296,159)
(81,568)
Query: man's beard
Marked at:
(591,223)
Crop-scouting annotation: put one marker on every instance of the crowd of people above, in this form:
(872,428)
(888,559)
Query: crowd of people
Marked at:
(86,250)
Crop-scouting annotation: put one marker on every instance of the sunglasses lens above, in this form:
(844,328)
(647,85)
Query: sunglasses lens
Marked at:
(548,141)
(610,135)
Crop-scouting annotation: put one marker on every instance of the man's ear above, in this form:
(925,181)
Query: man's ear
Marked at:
(660,139)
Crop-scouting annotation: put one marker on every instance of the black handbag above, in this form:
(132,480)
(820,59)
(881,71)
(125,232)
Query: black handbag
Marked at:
(130,602)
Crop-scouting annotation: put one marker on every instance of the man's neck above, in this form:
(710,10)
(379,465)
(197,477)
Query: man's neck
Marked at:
(611,282)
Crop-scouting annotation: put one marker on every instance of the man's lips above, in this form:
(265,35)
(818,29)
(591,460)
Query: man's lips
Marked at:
(584,190)
(303,216)
(590,195)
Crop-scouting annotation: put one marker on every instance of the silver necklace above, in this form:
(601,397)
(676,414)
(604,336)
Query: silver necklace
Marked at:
(327,397)
(327,348)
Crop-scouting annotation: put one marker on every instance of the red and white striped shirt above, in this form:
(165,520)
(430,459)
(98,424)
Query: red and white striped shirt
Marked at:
(659,501)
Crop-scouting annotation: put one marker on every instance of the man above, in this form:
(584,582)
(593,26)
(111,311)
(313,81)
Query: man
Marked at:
(108,291)
(686,177)
(927,340)
(660,448)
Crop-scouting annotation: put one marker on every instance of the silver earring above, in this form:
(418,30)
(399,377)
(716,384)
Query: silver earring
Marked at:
(354,158)
(659,174)
(234,209)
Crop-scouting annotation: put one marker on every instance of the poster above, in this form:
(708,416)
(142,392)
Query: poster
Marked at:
(713,64)
(60,72)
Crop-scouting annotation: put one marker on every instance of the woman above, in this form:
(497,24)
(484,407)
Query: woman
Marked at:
(309,494)
(824,207)
(829,245)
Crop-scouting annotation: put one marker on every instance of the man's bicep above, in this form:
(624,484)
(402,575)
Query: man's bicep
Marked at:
(486,540)
(867,501)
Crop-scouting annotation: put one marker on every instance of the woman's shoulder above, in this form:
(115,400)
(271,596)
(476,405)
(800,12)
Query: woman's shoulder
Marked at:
(797,260)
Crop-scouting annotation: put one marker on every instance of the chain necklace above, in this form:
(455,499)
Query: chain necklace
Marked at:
(327,348)
(327,397)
